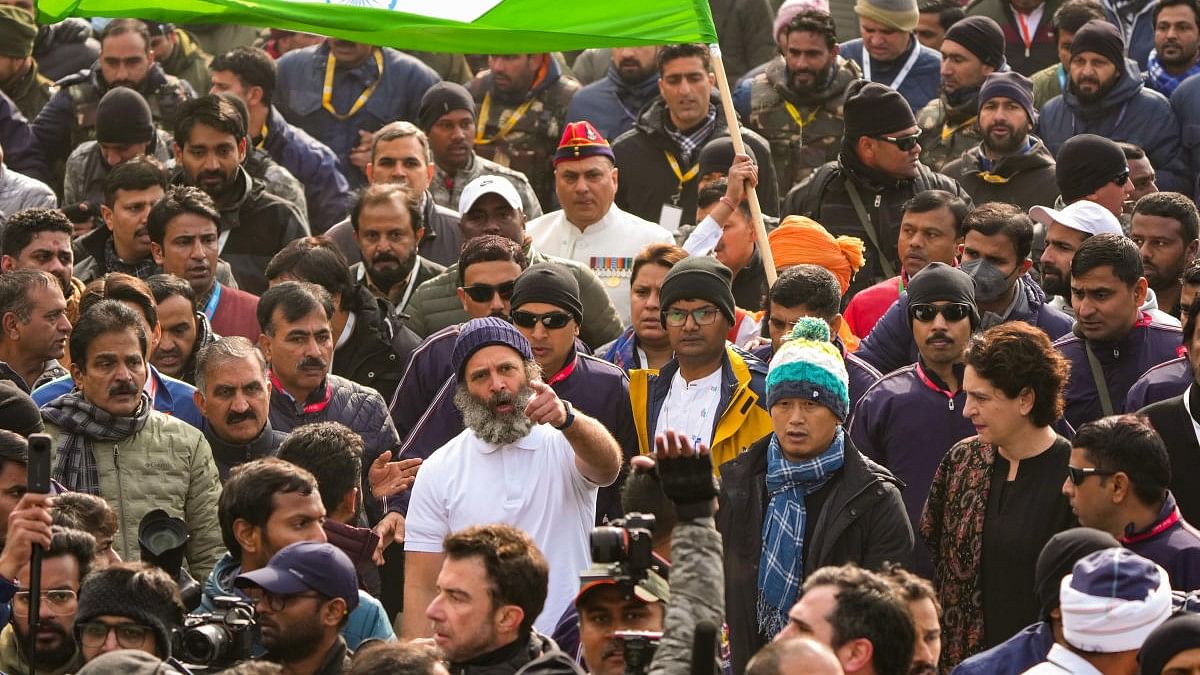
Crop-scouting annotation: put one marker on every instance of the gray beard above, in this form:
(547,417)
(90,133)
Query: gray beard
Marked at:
(493,428)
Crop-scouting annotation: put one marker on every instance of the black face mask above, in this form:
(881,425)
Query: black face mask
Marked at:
(990,283)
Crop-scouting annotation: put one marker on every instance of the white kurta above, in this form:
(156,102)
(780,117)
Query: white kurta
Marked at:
(607,246)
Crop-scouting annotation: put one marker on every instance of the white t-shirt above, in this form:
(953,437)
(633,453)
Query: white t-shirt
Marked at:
(608,246)
(532,484)
(691,407)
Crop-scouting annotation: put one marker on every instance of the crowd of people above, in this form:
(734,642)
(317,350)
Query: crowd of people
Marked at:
(358,360)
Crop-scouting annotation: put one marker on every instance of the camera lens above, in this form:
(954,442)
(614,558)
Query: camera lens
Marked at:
(205,644)
(608,544)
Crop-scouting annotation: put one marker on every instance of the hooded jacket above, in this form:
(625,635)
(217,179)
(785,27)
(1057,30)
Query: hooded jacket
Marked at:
(890,344)
(378,349)
(743,420)
(824,198)
(529,145)
(862,521)
(610,104)
(189,62)
(796,150)
(1025,179)
(1147,344)
(314,165)
(1131,112)
(948,130)
(647,180)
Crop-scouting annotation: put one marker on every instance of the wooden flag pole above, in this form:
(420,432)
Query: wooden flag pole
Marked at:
(739,146)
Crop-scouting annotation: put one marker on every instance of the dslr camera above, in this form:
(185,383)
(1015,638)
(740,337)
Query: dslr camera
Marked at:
(623,553)
(217,639)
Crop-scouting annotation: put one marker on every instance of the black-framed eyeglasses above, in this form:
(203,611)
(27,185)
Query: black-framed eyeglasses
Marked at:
(1120,179)
(551,320)
(485,292)
(129,635)
(905,143)
(276,602)
(703,316)
(59,602)
(1078,475)
(926,312)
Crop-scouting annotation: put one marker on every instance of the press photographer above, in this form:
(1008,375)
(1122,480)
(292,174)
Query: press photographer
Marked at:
(128,606)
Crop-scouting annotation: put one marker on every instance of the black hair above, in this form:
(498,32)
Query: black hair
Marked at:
(139,173)
(949,12)
(932,200)
(122,26)
(249,495)
(1131,151)
(14,291)
(106,316)
(711,194)
(178,200)
(489,248)
(686,50)
(382,193)
(83,511)
(1011,221)
(21,227)
(1114,250)
(78,544)
(122,288)
(868,608)
(13,448)
(1189,326)
(1175,206)
(811,286)
(517,572)
(211,111)
(1073,14)
(252,66)
(164,286)
(1191,273)
(394,658)
(1128,444)
(813,21)
(296,299)
(332,453)
(1190,4)
(318,261)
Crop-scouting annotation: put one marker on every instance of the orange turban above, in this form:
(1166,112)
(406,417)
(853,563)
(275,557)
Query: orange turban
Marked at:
(803,241)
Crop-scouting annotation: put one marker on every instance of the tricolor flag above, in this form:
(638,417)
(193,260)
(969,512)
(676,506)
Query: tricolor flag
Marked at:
(469,26)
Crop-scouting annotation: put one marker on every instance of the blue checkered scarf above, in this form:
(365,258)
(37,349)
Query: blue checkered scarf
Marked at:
(781,567)
(83,424)
(1160,80)
(689,143)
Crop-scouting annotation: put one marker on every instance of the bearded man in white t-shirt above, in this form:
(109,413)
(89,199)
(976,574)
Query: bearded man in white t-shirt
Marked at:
(526,458)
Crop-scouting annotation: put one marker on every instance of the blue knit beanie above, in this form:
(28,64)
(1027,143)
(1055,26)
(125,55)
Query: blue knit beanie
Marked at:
(808,366)
(479,333)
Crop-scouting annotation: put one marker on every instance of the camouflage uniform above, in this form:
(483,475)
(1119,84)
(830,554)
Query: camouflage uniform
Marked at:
(529,145)
(30,91)
(447,189)
(947,131)
(798,150)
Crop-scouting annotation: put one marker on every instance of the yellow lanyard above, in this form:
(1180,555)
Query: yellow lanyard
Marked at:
(683,177)
(327,93)
(485,110)
(947,131)
(994,178)
(796,114)
(262,139)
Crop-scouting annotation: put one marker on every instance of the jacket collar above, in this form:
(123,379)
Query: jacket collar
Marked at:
(844,72)
(263,445)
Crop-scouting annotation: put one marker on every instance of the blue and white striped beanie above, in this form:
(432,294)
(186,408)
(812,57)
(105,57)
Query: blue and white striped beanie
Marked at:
(807,365)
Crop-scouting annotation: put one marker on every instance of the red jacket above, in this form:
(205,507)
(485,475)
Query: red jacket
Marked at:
(236,314)
(870,304)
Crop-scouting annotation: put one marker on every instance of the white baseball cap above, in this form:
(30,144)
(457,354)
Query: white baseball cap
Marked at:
(497,185)
(1082,216)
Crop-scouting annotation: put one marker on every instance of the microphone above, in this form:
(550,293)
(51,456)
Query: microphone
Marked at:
(704,649)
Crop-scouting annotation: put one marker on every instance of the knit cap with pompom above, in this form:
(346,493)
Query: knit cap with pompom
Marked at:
(808,366)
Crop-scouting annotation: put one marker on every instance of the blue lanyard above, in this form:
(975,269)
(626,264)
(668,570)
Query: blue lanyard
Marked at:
(213,300)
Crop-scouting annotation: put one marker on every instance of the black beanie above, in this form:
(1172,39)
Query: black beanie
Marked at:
(873,109)
(1086,162)
(18,412)
(113,591)
(717,156)
(442,98)
(1012,85)
(981,36)
(1103,38)
(940,282)
(549,283)
(1177,634)
(1058,558)
(123,117)
(699,278)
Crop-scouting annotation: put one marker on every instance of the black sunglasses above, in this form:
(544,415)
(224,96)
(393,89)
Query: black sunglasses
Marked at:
(905,143)
(1120,179)
(1079,475)
(485,292)
(955,311)
(551,320)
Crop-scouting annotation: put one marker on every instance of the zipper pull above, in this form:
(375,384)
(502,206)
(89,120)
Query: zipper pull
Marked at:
(1116,353)
(1027,52)
(878,199)
(951,405)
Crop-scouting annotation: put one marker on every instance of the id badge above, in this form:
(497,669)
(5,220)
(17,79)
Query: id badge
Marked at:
(670,217)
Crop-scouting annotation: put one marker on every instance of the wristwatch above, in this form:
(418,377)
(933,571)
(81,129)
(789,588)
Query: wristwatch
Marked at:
(570,415)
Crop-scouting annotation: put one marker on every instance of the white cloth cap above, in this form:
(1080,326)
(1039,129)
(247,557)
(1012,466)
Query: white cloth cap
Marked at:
(1112,600)
(1083,216)
(483,185)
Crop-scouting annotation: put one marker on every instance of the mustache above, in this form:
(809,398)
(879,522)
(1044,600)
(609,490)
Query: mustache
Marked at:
(122,388)
(312,362)
(385,257)
(238,417)
(938,335)
(631,62)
